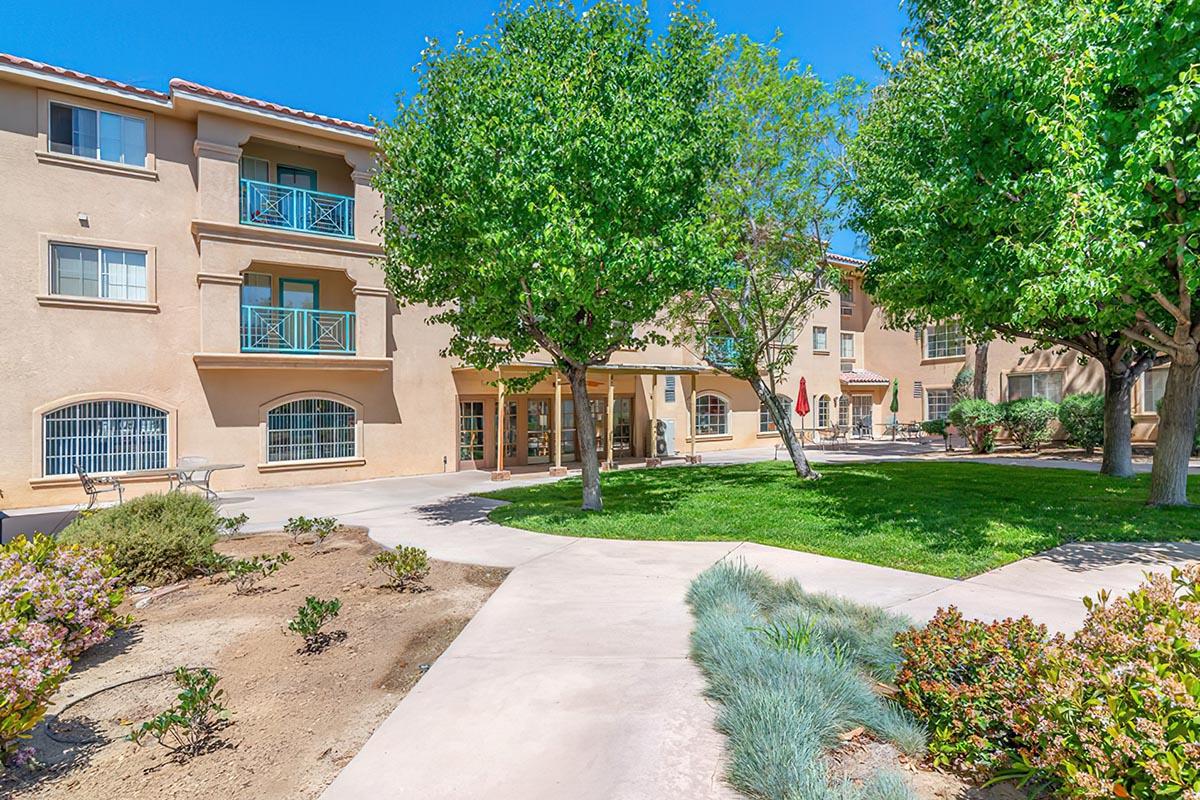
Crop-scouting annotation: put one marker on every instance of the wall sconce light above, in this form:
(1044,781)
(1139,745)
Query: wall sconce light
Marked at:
(84,220)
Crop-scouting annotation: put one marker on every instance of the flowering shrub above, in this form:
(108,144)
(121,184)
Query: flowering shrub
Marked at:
(962,678)
(1116,711)
(55,602)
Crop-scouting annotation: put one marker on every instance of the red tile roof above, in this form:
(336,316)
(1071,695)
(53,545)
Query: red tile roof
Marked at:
(846,259)
(63,72)
(178,84)
(188,87)
(864,376)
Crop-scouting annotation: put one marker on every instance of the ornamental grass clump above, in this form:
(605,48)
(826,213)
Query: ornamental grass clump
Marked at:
(1116,710)
(792,672)
(964,678)
(56,601)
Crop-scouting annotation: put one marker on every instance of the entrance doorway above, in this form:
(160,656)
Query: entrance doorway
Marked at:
(861,408)
(538,432)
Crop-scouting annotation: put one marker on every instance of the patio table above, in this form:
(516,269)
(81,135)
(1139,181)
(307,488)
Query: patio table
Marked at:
(197,475)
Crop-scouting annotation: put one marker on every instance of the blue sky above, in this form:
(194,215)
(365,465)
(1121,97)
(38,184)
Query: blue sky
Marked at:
(349,59)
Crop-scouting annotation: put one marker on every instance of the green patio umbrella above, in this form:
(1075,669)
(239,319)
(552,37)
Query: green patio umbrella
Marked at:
(895,404)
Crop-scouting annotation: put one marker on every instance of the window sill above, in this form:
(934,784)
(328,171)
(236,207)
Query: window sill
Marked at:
(712,437)
(96,165)
(67,481)
(768,435)
(322,463)
(1145,416)
(943,359)
(67,301)
(821,352)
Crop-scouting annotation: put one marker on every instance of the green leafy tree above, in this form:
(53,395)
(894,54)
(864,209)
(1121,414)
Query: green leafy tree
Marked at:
(962,193)
(771,211)
(545,186)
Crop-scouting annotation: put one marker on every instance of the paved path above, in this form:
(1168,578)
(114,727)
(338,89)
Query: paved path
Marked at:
(573,680)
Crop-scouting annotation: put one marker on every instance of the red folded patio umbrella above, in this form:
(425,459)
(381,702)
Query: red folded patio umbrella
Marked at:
(802,407)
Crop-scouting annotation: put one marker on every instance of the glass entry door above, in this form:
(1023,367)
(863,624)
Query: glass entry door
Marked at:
(861,407)
(568,430)
(538,432)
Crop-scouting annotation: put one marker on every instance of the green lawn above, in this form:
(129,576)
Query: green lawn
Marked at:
(950,519)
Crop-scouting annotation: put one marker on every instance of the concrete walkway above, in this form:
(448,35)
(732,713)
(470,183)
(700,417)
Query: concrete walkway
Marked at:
(573,681)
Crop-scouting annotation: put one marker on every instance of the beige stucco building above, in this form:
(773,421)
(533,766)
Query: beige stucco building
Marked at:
(191,274)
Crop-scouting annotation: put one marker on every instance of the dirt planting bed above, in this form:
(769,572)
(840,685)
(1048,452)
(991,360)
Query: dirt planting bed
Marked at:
(296,718)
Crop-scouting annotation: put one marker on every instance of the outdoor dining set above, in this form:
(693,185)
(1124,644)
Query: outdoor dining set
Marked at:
(189,471)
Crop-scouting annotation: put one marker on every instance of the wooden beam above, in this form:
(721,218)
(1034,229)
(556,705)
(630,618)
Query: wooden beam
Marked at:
(609,422)
(692,423)
(558,469)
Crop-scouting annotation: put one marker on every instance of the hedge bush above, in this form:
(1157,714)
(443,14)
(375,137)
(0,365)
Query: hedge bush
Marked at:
(154,539)
(1116,710)
(963,678)
(979,421)
(1028,420)
(1082,418)
(57,601)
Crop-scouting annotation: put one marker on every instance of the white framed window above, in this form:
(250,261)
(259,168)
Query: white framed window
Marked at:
(102,135)
(1036,384)
(712,415)
(848,303)
(1154,386)
(81,271)
(847,345)
(844,411)
(103,436)
(255,169)
(669,389)
(766,424)
(944,341)
(823,404)
(820,339)
(470,430)
(938,402)
(311,429)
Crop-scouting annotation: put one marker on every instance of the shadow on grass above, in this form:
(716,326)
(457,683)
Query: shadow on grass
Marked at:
(951,519)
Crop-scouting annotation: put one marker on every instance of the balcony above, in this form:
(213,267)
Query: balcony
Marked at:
(297,331)
(271,205)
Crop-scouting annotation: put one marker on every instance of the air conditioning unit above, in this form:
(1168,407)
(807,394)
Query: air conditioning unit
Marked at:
(664,438)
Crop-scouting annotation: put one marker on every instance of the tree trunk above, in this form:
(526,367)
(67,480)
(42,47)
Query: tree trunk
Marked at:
(1117,455)
(783,423)
(585,428)
(980,380)
(1176,432)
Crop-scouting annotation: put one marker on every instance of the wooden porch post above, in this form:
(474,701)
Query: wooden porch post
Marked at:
(692,406)
(652,459)
(558,469)
(500,473)
(609,425)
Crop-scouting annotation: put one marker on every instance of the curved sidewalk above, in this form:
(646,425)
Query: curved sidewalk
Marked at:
(573,680)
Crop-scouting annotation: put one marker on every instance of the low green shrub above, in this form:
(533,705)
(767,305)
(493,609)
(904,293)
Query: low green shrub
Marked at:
(189,727)
(1028,420)
(963,678)
(296,527)
(232,526)
(979,421)
(405,567)
(1082,419)
(938,427)
(1116,711)
(792,672)
(244,573)
(154,539)
(311,618)
(323,528)
(56,601)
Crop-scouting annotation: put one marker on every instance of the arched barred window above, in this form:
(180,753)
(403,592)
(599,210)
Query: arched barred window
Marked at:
(103,436)
(311,429)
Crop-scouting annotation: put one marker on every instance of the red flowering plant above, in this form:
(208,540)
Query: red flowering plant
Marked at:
(1116,710)
(963,678)
(55,602)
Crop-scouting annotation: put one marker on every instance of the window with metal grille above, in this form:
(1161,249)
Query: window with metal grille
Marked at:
(712,415)
(311,429)
(104,436)
(669,389)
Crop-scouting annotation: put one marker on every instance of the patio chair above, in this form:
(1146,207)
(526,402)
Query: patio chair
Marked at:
(838,433)
(92,487)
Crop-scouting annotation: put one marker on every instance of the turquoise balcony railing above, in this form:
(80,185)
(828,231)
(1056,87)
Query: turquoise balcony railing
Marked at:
(273,206)
(721,350)
(304,331)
